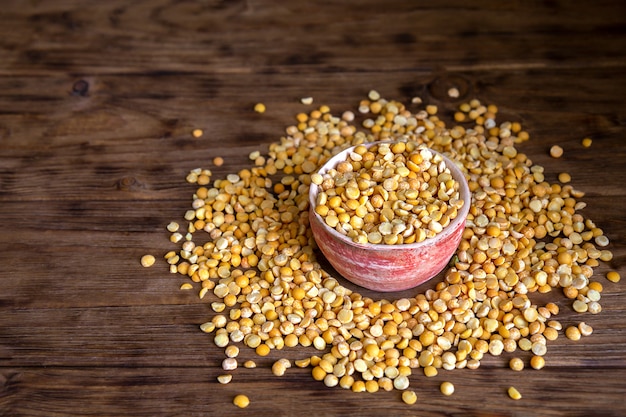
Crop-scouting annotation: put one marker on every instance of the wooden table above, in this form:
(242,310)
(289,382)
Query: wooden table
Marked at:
(97,104)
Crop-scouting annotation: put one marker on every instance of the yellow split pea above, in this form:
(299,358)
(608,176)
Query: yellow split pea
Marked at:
(514,393)
(556,151)
(564,177)
(259,108)
(446,388)
(409,397)
(613,276)
(241,401)
(147,261)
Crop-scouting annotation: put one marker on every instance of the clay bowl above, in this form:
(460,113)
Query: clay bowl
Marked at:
(382,267)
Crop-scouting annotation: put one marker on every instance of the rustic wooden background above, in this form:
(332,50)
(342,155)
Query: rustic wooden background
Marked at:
(97,102)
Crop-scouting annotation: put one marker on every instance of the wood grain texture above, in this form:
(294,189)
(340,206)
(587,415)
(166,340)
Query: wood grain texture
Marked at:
(97,102)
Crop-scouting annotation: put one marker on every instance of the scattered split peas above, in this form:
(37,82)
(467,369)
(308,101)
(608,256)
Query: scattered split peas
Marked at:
(280,366)
(246,246)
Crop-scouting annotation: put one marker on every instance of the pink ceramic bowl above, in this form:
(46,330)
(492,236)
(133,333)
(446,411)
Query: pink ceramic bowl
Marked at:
(383,267)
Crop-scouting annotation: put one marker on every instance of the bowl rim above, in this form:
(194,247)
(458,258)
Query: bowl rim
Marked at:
(456,172)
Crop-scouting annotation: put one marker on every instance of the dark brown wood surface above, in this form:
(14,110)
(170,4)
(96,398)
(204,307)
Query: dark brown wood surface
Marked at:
(97,103)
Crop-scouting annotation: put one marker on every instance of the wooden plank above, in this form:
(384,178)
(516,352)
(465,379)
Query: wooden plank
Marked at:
(193,391)
(121,334)
(55,250)
(239,37)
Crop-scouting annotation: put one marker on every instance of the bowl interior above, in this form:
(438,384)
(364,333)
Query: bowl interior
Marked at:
(457,174)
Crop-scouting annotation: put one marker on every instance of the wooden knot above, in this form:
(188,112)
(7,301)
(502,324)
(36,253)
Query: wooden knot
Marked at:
(80,88)
(128,184)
